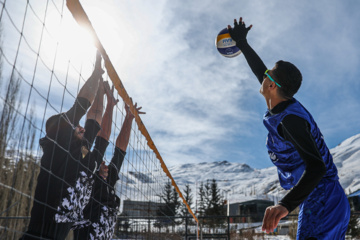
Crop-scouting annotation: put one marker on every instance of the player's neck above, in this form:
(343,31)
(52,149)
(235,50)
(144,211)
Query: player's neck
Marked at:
(271,102)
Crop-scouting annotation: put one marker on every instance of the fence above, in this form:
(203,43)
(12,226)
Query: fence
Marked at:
(185,228)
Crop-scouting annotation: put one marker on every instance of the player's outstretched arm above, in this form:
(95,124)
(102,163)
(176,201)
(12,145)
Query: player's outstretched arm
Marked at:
(106,122)
(123,139)
(239,34)
(122,142)
(88,91)
(96,110)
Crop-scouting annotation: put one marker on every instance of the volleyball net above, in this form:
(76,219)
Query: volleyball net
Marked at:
(43,66)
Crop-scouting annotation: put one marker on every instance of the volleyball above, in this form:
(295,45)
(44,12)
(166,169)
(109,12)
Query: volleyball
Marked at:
(225,45)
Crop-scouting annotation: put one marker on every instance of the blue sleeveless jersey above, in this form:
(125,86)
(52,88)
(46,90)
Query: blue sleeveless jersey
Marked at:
(283,153)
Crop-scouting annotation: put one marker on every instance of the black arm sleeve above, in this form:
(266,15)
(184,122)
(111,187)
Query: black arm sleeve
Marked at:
(78,110)
(92,128)
(115,166)
(99,149)
(297,131)
(256,64)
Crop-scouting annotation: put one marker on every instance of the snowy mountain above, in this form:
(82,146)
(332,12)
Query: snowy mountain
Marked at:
(347,159)
(240,182)
(245,183)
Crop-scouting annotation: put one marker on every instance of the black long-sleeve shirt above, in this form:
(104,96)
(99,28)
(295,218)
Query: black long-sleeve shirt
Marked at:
(103,189)
(297,131)
(104,204)
(67,165)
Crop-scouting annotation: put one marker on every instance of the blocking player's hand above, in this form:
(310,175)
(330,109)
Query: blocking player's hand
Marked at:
(110,94)
(137,109)
(98,60)
(272,217)
(239,32)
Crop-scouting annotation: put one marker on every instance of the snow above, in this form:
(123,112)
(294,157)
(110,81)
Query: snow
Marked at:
(240,182)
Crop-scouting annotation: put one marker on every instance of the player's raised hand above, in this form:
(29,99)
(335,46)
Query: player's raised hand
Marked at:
(239,32)
(129,113)
(110,94)
(98,60)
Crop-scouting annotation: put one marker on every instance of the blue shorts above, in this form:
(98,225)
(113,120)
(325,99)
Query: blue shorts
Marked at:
(325,214)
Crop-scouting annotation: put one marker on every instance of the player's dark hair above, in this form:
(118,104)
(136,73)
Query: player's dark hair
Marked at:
(289,77)
(52,124)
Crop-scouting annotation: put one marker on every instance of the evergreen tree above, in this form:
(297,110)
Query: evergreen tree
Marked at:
(215,205)
(168,210)
(215,201)
(202,200)
(175,204)
(175,201)
(353,227)
(166,197)
(189,199)
(207,195)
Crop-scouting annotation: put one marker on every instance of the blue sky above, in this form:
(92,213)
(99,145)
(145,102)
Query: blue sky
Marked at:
(202,107)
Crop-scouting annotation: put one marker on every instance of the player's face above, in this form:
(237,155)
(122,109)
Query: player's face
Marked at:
(266,83)
(264,86)
(79,132)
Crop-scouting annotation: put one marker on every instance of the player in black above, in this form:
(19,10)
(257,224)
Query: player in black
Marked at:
(104,203)
(67,165)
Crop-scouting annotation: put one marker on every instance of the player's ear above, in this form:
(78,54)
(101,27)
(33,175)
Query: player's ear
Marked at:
(272,85)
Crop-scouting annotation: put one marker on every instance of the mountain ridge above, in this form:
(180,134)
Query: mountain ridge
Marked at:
(240,182)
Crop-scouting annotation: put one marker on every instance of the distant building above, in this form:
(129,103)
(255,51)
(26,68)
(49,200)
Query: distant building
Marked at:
(254,209)
(249,211)
(141,208)
(234,209)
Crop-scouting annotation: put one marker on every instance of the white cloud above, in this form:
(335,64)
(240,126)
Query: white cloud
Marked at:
(200,105)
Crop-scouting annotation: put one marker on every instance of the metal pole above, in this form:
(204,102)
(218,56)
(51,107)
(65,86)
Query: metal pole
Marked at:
(186,227)
(196,212)
(228,207)
(228,222)
(228,211)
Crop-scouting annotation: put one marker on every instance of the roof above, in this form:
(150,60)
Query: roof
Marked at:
(355,194)
(256,201)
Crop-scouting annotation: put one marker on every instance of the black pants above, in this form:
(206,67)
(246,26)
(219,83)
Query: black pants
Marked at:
(82,233)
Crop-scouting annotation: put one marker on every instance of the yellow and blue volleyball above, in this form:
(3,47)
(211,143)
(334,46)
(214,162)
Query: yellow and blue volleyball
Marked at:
(225,45)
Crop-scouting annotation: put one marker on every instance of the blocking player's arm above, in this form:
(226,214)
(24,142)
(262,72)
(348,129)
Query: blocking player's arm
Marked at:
(238,34)
(96,110)
(297,131)
(90,87)
(115,166)
(64,123)
(102,140)
(94,117)
(106,122)
(122,142)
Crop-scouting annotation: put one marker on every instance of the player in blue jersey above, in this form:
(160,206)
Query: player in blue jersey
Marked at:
(298,150)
